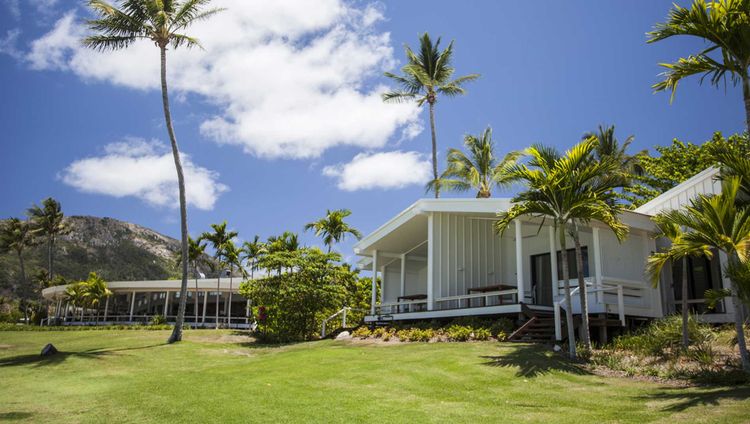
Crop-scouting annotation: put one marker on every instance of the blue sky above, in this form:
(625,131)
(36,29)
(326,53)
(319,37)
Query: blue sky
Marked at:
(280,117)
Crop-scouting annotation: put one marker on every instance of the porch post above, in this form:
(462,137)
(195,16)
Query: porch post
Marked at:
(132,305)
(598,265)
(382,284)
(166,304)
(205,302)
(430,261)
(403,275)
(247,311)
(553,262)
(519,261)
(374,298)
(106,308)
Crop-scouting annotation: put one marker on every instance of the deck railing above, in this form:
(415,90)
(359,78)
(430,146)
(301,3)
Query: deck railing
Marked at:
(591,288)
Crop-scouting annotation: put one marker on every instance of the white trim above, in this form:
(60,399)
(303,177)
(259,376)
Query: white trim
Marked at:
(519,261)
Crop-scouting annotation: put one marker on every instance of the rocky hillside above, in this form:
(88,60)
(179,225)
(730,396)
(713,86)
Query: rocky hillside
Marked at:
(116,250)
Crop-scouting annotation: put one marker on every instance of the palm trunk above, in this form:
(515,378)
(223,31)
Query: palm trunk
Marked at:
(684,302)
(50,248)
(746,98)
(568,301)
(434,149)
(739,321)
(196,296)
(229,305)
(218,298)
(582,290)
(176,335)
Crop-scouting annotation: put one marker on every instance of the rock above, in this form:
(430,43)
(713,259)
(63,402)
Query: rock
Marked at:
(557,348)
(343,335)
(49,350)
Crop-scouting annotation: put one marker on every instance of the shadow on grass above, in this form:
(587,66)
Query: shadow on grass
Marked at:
(13,416)
(38,360)
(533,361)
(680,400)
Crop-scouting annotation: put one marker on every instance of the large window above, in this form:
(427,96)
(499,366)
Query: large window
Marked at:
(572,265)
(703,274)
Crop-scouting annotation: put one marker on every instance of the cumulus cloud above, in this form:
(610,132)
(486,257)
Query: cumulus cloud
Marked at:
(145,170)
(384,170)
(289,80)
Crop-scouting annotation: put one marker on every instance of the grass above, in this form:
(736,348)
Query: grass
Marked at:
(131,376)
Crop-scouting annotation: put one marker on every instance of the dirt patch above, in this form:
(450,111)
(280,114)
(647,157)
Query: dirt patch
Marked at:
(5,346)
(222,338)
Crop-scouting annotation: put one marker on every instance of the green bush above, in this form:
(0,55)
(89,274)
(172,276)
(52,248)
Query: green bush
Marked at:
(12,316)
(458,333)
(482,334)
(663,337)
(501,327)
(362,332)
(21,327)
(157,320)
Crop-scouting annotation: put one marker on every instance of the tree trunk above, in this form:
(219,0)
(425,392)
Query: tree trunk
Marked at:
(739,321)
(582,290)
(684,302)
(218,298)
(176,335)
(434,149)
(196,296)
(50,243)
(746,98)
(229,304)
(568,300)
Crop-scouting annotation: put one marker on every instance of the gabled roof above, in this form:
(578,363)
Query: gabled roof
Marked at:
(704,182)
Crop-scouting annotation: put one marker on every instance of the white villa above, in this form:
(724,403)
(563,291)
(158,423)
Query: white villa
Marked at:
(441,258)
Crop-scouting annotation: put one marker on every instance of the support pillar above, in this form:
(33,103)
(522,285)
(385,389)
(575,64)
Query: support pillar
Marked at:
(430,262)
(403,275)
(106,309)
(519,262)
(166,304)
(553,262)
(374,297)
(205,302)
(598,266)
(132,305)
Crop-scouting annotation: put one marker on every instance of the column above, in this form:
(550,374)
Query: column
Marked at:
(106,308)
(597,265)
(430,261)
(403,275)
(553,262)
(247,311)
(374,298)
(132,305)
(519,261)
(166,305)
(205,302)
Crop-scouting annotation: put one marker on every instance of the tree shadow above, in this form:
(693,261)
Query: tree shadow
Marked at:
(533,361)
(16,415)
(38,360)
(680,400)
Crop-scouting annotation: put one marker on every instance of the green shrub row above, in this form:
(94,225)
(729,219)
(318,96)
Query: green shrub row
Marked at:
(21,327)
(460,330)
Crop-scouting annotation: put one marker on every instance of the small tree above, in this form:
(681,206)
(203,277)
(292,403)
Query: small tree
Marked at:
(332,228)
(48,222)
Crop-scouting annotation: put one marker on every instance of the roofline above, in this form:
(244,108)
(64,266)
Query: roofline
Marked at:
(155,286)
(676,190)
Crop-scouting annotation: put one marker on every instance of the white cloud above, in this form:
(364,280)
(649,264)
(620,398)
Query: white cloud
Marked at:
(8,43)
(145,170)
(14,8)
(385,170)
(290,79)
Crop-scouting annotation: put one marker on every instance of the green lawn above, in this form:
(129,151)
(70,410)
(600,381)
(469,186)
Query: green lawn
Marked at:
(131,376)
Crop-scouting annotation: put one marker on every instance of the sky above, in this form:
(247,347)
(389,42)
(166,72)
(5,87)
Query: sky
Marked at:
(279,117)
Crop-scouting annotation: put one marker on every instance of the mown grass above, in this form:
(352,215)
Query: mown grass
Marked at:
(131,376)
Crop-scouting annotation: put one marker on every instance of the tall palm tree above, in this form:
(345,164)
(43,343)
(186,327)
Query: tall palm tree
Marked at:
(673,233)
(94,291)
(608,146)
(332,228)
(75,294)
(161,22)
(479,169)
(232,254)
(723,25)
(714,222)
(16,236)
(428,73)
(197,257)
(251,253)
(48,222)
(568,189)
(219,239)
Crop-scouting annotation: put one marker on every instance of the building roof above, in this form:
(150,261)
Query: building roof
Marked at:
(154,285)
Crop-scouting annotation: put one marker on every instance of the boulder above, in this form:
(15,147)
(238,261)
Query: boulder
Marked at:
(343,335)
(49,350)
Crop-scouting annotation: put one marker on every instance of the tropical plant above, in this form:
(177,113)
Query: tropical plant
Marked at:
(725,27)
(94,291)
(219,239)
(427,74)
(232,255)
(569,190)
(48,222)
(16,236)
(75,294)
(332,228)
(251,253)
(714,222)
(197,257)
(479,169)
(162,23)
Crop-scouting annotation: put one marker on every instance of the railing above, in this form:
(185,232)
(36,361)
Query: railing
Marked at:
(341,312)
(559,305)
(399,307)
(190,320)
(468,297)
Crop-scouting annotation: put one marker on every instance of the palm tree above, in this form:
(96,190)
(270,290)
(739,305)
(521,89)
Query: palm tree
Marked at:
(232,255)
(714,222)
(251,253)
(427,74)
(332,228)
(608,146)
(94,290)
(219,239)
(568,189)
(672,232)
(16,236)
(197,257)
(723,25)
(479,170)
(48,221)
(162,23)
(76,294)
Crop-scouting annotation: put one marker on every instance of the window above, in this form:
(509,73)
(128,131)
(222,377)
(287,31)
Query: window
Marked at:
(572,265)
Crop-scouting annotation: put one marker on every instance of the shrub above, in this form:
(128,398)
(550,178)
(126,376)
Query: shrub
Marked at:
(502,327)
(378,332)
(388,333)
(482,334)
(458,333)
(663,337)
(158,320)
(361,332)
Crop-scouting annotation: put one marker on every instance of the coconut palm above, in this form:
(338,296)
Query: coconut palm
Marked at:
(94,291)
(332,228)
(251,253)
(672,232)
(479,169)
(16,236)
(714,222)
(427,74)
(724,26)
(608,146)
(162,23)
(233,259)
(570,190)
(48,222)
(75,294)
(197,257)
(219,239)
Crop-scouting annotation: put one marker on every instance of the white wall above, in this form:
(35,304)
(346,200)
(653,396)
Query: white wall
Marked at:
(415,283)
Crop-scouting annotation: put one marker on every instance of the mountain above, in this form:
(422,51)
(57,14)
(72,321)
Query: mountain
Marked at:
(114,249)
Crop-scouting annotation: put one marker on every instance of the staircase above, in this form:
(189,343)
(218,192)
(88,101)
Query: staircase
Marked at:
(539,328)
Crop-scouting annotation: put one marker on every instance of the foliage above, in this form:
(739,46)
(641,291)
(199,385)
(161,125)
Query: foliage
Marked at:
(158,320)
(48,222)
(362,332)
(458,333)
(297,301)
(663,337)
(480,169)
(332,227)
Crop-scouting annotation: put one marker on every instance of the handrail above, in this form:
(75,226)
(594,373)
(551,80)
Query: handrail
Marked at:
(343,320)
(558,305)
(477,295)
